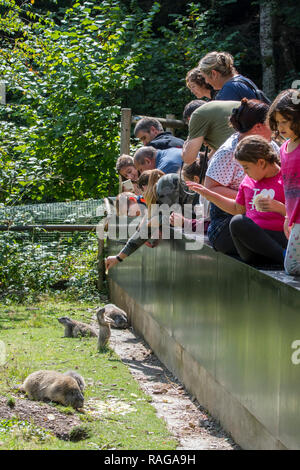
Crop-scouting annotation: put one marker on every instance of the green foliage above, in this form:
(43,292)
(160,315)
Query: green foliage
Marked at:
(70,65)
(68,72)
(172,51)
(11,402)
(60,133)
(30,265)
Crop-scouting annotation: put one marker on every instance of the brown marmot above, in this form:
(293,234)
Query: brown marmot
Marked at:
(104,331)
(113,312)
(66,388)
(74,329)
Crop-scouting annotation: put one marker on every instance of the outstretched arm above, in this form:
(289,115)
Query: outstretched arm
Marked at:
(224,203)
(142,234)
(216,187)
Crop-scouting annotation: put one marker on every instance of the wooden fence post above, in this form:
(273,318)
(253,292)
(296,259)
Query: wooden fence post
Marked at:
(2,93)
(170,116)
(125,135)
(100,264)
(125,130)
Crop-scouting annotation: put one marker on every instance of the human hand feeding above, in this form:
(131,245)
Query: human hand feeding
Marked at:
(198,188)
(110,261)
(157,235)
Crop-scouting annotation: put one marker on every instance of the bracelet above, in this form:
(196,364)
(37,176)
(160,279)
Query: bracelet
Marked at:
(119,259)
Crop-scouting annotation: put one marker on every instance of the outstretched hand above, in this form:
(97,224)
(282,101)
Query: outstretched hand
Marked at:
(198,188)
(110,261)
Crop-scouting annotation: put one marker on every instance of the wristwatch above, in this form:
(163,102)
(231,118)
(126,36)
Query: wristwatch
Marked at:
(119,259)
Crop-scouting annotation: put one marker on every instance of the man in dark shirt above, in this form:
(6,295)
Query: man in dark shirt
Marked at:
(150,132)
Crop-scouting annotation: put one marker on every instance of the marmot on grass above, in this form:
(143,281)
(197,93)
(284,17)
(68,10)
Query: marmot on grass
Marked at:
(66,388)
(104,331)
(113,312)
(74,328)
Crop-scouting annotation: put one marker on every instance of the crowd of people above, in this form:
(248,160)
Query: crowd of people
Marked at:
(247,173)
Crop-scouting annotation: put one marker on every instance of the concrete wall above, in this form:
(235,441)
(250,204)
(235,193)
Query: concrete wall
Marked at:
(225,330)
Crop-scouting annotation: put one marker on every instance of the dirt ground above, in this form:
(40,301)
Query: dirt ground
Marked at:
(186,419)
(41,414)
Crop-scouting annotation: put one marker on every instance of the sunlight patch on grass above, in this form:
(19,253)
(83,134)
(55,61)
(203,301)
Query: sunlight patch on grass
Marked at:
(99,408)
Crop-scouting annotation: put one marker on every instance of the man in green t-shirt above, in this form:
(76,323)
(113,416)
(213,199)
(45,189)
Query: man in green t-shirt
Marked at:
(209,124)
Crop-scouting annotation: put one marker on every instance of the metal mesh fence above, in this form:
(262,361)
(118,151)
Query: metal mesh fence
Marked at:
(87,213)
(36,259)
(80,212)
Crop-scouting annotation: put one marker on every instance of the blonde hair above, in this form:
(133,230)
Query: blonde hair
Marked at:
(222,62)
(149,178)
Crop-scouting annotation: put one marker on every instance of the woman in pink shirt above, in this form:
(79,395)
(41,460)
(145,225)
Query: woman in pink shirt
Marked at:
(284,118)
(259,210)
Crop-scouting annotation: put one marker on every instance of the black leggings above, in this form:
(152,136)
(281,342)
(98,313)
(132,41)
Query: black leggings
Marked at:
(256,245)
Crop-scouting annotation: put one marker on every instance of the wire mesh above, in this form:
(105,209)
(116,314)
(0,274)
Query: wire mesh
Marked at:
(88,212)
(39,258)
(82,212)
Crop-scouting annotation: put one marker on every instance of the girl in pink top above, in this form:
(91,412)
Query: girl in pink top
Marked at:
(284,118)
(257,226)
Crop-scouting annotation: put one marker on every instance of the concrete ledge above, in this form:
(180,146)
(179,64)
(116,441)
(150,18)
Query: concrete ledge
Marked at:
(246,430)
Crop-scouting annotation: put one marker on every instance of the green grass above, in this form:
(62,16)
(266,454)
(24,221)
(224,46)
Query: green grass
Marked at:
(123,415)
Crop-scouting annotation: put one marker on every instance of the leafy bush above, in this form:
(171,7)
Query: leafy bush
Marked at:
(60,132)
(69,70)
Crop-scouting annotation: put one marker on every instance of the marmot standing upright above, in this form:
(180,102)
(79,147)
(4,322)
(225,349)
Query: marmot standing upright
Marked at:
(74,329)
(66,388)
(104,331)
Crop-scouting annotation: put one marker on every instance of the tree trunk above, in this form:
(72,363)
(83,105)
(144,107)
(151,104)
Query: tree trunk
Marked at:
(286,51)
(266,47)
